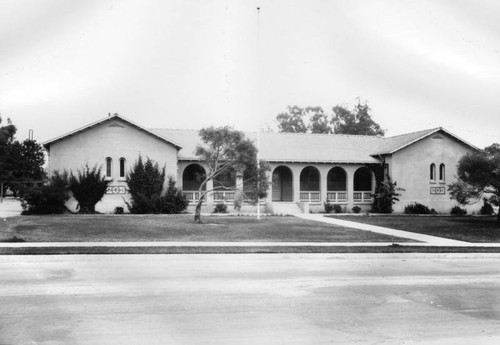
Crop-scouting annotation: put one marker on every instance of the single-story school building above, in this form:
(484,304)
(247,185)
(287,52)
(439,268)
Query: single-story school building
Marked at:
(307,170)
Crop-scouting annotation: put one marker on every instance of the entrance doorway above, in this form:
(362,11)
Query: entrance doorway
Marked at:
(282,184)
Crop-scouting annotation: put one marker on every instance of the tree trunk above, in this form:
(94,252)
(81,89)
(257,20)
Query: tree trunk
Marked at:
(197,212)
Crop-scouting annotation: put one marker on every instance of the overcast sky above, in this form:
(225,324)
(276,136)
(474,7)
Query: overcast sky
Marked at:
(188,64)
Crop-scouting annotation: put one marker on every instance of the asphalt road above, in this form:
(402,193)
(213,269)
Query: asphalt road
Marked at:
(250,299)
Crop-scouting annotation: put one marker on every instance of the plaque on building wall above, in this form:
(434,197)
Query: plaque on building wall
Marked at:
(438,190)
(116,190)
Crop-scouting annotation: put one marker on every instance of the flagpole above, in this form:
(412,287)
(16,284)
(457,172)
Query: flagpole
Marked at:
(258,115)
(258,173)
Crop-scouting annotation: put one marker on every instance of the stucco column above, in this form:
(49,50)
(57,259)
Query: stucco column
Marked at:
(210,196)
(239,180)
(350,187)
(323,183)
(296,183)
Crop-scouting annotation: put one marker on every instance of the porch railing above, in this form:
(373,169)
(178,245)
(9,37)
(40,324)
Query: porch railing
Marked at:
(336,197)
(313,196)
(362,196)
(224,196)
(192,196)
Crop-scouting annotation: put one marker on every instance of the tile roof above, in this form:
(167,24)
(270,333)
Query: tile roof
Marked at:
(392,144)
(291,147)
(312,148)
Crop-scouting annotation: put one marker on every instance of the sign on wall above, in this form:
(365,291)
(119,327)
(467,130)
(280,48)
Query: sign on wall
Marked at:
(438,190)
(116,190)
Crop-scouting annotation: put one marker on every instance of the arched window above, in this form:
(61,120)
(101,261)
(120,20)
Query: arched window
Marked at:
(122,167)
(432,175)
(442,172)
(109,165)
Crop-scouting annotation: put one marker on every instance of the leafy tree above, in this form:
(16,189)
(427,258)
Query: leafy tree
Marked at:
(355,121)
(319,122)
(26,162)
(50,198)
(225,149)
(19,161)
(385,196)
(88,188)
(292,121)
(478,175)
(341,121)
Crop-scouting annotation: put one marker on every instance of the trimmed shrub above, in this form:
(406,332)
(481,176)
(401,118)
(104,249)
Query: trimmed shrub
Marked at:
(486,209)
(174,200)
(329,208)
(385,196)
(88,188)
(458,211)
(47,199)
(418,208)
(220,208)
(356,209)
(119,210)
(145,183)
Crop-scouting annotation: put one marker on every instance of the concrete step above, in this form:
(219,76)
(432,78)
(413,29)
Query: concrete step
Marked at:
(284,208)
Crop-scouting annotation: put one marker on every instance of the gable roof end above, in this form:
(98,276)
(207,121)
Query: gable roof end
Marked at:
(394,144)
(47,144)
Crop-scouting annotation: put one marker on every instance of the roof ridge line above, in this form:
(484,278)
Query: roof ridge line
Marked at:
(414,132)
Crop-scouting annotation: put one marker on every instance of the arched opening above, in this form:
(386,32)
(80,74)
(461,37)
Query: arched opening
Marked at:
(282,184)
(109,165)
(192,178)
(362,185)
(225,186)
(336,184)
(309,184)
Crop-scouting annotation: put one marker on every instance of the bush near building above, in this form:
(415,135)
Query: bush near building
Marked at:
(418,208)
(88,188)
(145,182)
(49,198)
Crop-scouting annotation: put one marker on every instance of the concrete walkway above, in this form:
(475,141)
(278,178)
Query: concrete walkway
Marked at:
(429,240)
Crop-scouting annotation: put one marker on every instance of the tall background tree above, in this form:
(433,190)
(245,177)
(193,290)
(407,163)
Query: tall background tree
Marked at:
(342,120)
(19,161)
(478,177)
(224,149)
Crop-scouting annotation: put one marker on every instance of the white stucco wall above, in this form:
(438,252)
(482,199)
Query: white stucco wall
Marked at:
(115,139)
(410,168)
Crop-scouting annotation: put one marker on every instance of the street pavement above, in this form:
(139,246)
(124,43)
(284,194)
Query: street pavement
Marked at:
(250,299)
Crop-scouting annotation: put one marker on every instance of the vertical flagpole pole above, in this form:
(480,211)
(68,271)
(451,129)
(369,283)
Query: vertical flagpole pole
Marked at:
(258,115)
(258,173)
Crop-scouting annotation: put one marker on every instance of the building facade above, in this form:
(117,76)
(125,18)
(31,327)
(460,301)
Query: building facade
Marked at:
(307,170)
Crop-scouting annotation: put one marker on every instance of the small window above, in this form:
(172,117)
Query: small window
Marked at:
(122,167)
(109,164)
(433,172)
(441,172)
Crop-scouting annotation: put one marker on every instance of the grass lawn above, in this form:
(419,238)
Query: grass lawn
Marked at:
(467,228)
(125,228)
